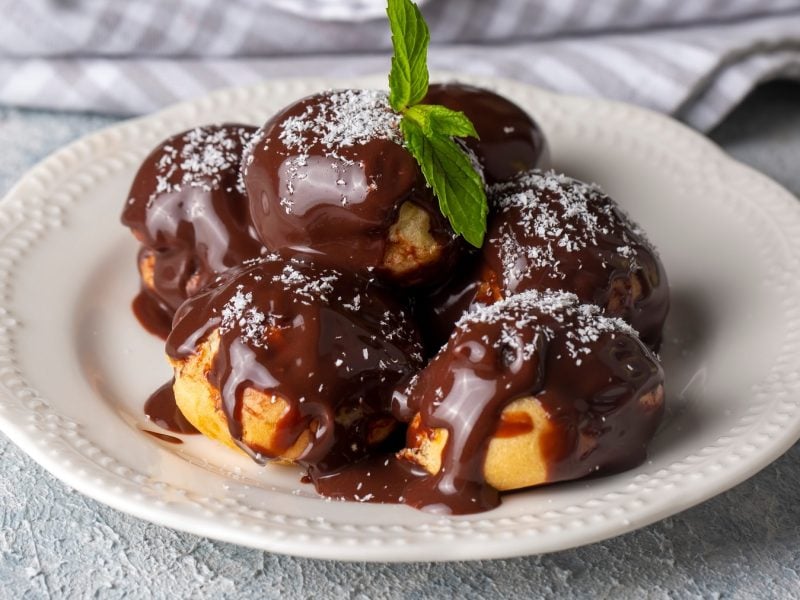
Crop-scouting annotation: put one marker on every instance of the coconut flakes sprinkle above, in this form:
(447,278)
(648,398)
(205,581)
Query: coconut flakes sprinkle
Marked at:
(548,313)
(239,313)
(242,314)
(308,289)
(203,158)
(329,123)
(341,119)
(554,213)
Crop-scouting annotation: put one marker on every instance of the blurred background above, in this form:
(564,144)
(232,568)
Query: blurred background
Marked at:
(695,59)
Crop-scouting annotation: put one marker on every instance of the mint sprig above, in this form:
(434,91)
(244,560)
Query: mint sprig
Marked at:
(429,129)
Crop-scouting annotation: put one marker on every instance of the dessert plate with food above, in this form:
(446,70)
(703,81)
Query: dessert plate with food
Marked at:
(428,321)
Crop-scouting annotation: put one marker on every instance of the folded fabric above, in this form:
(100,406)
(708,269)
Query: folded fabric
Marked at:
(695,59)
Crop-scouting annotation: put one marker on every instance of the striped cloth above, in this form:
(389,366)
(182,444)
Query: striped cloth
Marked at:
(695,59)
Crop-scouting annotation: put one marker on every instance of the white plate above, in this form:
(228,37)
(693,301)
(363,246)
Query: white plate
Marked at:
(75,367)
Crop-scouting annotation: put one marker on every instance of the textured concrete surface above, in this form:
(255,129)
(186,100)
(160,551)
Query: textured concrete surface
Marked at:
(742,544)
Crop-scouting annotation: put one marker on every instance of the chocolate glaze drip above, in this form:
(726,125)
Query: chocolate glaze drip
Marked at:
(589,373)
(380,478)
(161,409)
(513,424)
(331,345)
(586,371)
(548,231)
(327,177)
(151,314)
(188,209)
(510,140)
(164,437)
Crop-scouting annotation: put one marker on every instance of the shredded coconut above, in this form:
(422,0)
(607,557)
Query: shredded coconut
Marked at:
(355,305)
(331,122)
(203,157)
(308,289)
(554,213)
(239,312)
(340,119)
(545,313)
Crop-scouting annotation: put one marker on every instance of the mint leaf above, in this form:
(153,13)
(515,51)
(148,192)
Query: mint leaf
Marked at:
(408,78)
(429,129)
(451,174)
(436,119)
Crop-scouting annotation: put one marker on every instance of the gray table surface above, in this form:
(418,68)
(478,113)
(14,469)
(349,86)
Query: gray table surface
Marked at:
(744,543)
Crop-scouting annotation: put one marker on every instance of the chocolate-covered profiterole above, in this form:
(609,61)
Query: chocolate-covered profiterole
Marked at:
(329,177)
(549,231)
(534,389)
(290,361)
(509,141)
(188,209)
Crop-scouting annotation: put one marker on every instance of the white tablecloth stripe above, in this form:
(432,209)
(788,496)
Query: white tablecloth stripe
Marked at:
(693,58)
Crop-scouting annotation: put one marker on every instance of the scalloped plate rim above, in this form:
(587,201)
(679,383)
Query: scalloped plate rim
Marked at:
(170,517)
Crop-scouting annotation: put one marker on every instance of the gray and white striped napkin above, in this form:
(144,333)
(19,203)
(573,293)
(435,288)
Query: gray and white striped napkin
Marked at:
(695,59)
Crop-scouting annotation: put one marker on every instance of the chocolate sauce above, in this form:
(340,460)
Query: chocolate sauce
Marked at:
(381,479)
(161,409)
(188,209)
(152,315)
(587,371)
(331,345)
(513,424)
(548,231)
(170,439)
(327,177)
(510,140)
(599,385)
